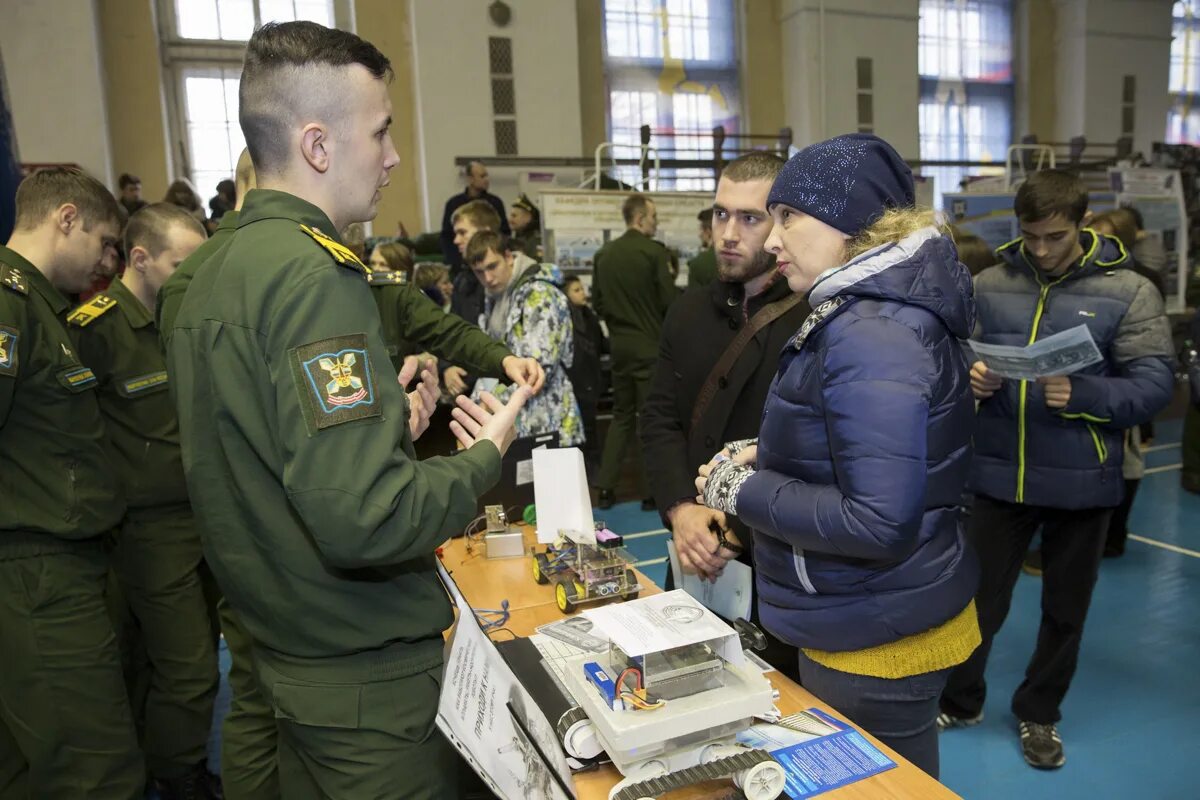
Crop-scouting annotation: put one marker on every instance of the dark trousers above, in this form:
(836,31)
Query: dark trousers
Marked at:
(249,735)
(631,384)
(1072,543)
(900,712)
(1118,527)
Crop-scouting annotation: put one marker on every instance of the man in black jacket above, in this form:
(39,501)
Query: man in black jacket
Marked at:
(699,329)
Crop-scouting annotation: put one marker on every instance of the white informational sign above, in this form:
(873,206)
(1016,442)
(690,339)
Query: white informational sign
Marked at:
(487,715)
(560,493)
(663,622)
(1060,354)
(1158,195)
(578,222)
(728,596)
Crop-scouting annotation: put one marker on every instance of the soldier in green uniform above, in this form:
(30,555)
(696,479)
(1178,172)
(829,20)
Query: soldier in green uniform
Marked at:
(65,726)
(156,556)
(632,288)
(702,268)
(297,438)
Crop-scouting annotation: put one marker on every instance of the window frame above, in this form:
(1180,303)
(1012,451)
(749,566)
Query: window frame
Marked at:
(180,54)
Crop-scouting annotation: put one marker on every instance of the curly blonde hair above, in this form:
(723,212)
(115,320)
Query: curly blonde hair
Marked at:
(895,224)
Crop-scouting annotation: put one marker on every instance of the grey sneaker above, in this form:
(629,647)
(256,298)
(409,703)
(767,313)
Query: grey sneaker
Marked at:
(1042,746)
(945,721)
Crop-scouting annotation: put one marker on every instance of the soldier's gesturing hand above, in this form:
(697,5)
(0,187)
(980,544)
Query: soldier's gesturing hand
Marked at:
(455,378)
(525,372)
(492,420)
(423,399)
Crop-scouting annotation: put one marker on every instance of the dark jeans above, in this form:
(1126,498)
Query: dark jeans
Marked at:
(1118,527)
(900,712)
(1072,543)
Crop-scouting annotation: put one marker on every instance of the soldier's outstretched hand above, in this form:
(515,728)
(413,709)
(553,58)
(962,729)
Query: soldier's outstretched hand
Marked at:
(525,372)
(491,419)
(422,401)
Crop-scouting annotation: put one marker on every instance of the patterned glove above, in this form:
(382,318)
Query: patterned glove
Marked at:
(724,483)
(738,446)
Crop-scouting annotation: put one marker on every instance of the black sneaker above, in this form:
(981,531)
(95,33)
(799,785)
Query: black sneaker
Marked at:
(648,504)
(1033,563)
(1041,745)
(196,785)
(946,721)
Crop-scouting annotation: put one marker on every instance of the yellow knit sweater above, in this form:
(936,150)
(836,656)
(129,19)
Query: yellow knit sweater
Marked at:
(947,645)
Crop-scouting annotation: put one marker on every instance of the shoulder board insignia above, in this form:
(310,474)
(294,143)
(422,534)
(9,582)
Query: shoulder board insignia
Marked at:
(383,277)
(12,279)
(91,310)
(341,254)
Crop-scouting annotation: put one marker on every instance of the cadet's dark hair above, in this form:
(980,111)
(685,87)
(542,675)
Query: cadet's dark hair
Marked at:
(758,165)
(127,179)
(1050,192)
(634,205)
(149,226)
(483,242)
(47,189)
(571,280)
(705,217)
(269,81)
(479,213)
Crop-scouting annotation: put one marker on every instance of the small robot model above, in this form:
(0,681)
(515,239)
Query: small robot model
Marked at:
(670,718)
(586,568)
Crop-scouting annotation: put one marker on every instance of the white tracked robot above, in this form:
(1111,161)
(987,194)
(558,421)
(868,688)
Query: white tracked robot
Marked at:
(669,718)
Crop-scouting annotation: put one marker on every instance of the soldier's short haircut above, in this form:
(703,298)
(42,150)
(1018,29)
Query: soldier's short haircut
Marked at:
(288,64)
(758,165)
(484,242)
(150,225)
(479,213)
(634,205)
(705,217)
(1049,192)
(48,189)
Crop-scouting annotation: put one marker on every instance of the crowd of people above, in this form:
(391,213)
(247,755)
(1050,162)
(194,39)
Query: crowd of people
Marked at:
(226,439)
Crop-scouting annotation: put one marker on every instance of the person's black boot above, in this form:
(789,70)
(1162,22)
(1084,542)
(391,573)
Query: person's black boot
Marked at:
(195,785)
(604,498)
(648,504)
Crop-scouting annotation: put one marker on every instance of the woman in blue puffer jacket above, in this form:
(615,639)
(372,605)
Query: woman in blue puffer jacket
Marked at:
(854,484)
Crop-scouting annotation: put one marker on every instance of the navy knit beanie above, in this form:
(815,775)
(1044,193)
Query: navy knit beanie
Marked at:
(846,182)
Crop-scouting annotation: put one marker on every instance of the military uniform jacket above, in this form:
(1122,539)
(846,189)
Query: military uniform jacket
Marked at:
(170,296)
(412,323)
(116,337)
(319,522)
(56,480)
(632,289)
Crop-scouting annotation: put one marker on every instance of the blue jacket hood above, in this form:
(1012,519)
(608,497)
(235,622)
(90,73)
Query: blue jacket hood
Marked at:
(920,270)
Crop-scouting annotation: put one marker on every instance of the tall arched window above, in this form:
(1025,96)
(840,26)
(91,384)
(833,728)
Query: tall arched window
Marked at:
(1183,117)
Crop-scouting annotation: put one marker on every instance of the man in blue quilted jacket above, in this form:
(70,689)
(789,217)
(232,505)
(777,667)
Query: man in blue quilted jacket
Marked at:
(1048,452)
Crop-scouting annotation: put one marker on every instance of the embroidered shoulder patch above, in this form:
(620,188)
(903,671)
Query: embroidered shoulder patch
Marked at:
(12,279)
(341,254)
(91,310)
(9,339)
(336,381)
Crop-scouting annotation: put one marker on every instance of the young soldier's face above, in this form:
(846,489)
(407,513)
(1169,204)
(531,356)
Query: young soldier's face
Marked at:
(518,218)
(494,272)
(181,241)
(464,229)
(132,192)
(1052,244)
(86,255)
(362,142)
(740,227)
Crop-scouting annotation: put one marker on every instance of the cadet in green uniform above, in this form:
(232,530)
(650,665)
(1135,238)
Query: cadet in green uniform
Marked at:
(156,556)
(632,288)
(702,268)
(65,725)
(297,439)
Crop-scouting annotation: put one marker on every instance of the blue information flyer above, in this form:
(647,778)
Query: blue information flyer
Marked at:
(818,752)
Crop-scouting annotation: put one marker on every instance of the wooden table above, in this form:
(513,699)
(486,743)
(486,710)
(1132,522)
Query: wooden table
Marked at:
(485,582)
